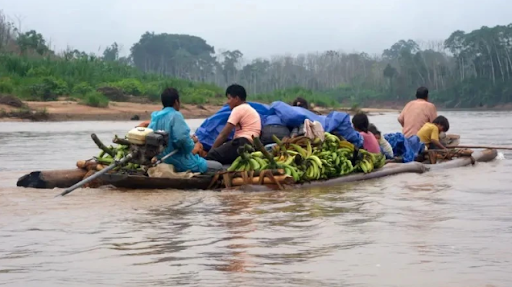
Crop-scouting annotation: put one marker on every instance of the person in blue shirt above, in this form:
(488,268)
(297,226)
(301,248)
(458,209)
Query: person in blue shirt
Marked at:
(172,121)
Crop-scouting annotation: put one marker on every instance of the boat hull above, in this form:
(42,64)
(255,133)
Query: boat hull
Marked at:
(67,178)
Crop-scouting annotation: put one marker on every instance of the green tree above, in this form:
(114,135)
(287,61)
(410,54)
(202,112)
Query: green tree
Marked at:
(32,41)
(111,53)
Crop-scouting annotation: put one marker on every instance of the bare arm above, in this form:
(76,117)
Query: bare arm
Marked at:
(433,113)
(401,116)
(438,144)
(223,136)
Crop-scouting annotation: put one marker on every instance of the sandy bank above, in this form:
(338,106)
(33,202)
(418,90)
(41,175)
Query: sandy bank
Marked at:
(123,111)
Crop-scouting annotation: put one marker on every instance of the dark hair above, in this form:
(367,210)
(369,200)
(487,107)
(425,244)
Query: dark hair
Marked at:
(373,129)
(422,93)
(169,97)
(300,102)
(442,121)
(236,91)
(361,122)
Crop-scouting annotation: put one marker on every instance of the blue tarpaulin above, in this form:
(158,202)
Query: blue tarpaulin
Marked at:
(273,120)
(339,123)
(280,113)
(407,148)
(293,116)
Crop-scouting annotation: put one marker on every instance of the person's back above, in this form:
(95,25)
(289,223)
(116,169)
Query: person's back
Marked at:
(169,119)
(173,122)
(370,143)
(416,113)
(248,121)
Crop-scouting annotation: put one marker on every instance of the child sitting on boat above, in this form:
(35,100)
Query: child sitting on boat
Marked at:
(429,133)
(361,124)
(385,147)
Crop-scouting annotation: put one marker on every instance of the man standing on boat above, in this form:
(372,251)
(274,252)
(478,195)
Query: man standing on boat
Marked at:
(172,121)
(246,122)
(416,113)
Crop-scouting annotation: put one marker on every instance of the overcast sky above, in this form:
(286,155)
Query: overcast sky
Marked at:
(257,28)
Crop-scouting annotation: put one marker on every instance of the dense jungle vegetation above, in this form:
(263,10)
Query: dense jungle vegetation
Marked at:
(468,69)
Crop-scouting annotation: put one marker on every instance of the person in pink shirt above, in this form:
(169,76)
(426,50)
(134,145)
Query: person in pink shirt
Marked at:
(416,113)
(246,122)
(361,124)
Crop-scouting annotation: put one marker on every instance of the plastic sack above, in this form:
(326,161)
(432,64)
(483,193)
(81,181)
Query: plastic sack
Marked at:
(314,130)
(167,171)
(407,148)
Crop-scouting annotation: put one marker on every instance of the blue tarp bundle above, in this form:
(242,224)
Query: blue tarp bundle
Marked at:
(293,116)
(339,123)
(280,113)
(407,148)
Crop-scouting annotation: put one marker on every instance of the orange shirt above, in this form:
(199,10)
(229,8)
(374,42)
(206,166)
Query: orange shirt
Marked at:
(246,120)
(415,114)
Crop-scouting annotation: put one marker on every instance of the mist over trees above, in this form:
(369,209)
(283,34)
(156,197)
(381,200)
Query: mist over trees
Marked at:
(467,69)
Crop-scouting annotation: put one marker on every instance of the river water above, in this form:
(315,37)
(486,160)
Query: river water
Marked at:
(444,228)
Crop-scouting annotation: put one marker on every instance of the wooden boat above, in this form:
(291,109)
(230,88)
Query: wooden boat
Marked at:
(65,178)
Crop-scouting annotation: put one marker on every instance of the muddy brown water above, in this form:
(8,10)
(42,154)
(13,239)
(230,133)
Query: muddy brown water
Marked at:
(445,228)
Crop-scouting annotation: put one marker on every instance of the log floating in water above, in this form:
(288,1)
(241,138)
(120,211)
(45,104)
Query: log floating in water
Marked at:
(412,167)
(52,178)
(482,156)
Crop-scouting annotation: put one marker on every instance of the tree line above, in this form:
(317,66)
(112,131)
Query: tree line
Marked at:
(468,69)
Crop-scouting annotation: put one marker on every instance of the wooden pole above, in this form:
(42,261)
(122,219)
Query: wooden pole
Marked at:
(481,146)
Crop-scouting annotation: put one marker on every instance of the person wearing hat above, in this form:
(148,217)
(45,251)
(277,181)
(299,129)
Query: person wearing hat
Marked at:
(385,147)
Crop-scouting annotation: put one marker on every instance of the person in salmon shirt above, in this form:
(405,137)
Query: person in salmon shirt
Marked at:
(361,124)
(246,122)
(416,113)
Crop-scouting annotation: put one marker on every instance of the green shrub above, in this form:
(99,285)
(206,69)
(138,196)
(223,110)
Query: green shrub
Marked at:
(82,89)
(130,87)
(6,86)
(95,99)
(153,91)
(47,89)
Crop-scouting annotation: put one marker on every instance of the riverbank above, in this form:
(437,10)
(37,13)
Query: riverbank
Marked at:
(118,111)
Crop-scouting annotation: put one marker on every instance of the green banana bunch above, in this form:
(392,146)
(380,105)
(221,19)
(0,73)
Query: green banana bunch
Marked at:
(120,151)
(365,161)
(346,167)
(309,160)
(249,162)
(256,161)
(379,160)
(314,168)
(346,145)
